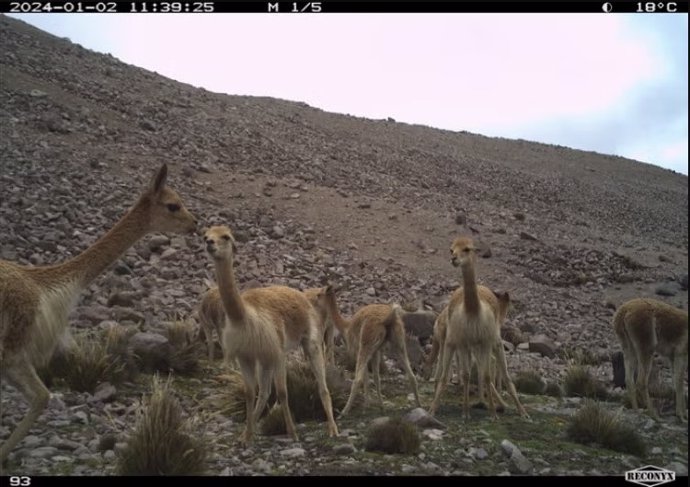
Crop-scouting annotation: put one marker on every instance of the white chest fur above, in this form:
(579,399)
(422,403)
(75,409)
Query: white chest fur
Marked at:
(54,307)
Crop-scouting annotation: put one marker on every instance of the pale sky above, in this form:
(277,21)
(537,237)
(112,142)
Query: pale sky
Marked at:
(610,83)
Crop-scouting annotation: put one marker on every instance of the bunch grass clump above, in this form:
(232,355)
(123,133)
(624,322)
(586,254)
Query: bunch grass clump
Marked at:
(579,382)
(553,389)
(529,382)
(581,356)
(393,436)
(90,362)
(274,422)
(186,350)
(303,397)
(163,442)
(230,400)
(594,424)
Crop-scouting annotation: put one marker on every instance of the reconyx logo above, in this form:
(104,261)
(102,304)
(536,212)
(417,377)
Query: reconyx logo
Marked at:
(649,476)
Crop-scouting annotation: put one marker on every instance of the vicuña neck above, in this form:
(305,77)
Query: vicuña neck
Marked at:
(470,294)
(227,286)
(93,261)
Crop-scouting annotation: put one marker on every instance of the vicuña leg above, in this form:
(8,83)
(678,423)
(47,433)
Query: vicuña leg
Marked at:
(23,376)
(631,366)
(446,357)
(248,368)
(502,366)
(265,374)
(644,361)
(376,368)
(330,346)
(280,379)
(209,344)
(680,365)
(483,358)
(466,371)
(364,355)
(400,350)
(314,353)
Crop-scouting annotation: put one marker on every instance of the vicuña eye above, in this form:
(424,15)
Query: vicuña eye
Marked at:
(173,207)
(226,237)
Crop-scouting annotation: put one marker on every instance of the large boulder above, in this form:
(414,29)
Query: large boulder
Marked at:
(151,351)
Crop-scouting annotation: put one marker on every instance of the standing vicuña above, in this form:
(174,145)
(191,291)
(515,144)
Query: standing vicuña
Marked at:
(262,324)
(212,319)
(473,329)
(500,302)
(35,301)
(365,335)
(645,326)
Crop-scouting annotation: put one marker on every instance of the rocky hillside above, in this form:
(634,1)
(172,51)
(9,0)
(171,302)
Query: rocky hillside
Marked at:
(316,197)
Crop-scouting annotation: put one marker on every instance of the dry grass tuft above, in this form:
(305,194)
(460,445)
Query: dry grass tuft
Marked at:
(594,424)
(393,436)
(579,382)
(163,442)
(553,389)
(303,397)
(529,382)
(90,362)
(186,349)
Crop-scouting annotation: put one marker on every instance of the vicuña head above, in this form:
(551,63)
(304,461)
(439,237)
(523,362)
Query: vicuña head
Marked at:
(220,244)
(463,252)
(164,207)
(36,301)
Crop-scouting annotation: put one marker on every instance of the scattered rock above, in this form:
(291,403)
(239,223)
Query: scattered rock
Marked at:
(124,298)
(528,236)
(148,125)
(478,453)
(278,232)
(105,392)
(512,335)
(156,242)
(107,442)
(543,345)
(151,350)
(518,462)
(293,453)
(433,434)
(666,289)
(421,418)
(344,449)
(43,452)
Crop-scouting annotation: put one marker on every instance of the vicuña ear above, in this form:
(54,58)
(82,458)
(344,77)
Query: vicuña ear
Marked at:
(158,181)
